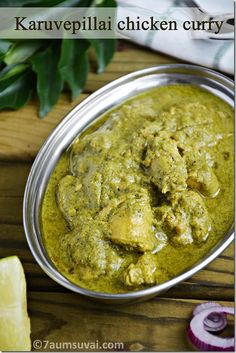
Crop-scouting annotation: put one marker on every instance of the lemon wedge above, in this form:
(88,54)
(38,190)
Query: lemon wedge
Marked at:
(14,320)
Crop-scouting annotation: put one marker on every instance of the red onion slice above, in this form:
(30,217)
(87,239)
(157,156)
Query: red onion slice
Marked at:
(204,340)
(215,321)
(199,308)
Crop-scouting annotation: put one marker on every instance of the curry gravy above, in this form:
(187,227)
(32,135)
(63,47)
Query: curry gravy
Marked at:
(151,185)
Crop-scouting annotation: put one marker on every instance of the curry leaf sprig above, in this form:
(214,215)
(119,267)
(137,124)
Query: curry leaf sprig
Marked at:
(45,66)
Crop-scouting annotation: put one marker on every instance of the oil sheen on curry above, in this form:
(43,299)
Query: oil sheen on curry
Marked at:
(145,193)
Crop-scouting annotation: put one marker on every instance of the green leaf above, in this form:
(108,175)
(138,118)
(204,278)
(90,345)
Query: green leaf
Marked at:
(45,3)
(4,46)
(15,3)
(104,48)
(105,3)
(21,51)
(12,70)
(76,3)
(16,91)
(49,81)
(73,64)
(59,3)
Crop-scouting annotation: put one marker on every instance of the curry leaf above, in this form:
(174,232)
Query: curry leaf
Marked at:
(61,3)
(106,3)
(4,47)
(15,3)
(104,48)
(49,81)
(73,64)
(44,3)
(21,51)
(16,91)
(12,70)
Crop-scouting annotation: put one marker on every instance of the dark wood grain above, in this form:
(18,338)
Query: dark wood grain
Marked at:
(157,325)
(23,133)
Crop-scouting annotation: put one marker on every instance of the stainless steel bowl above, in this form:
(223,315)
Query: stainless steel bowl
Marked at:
(74,123)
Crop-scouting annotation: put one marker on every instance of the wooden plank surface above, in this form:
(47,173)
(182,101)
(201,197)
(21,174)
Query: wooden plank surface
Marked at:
(158,325)
(58,315)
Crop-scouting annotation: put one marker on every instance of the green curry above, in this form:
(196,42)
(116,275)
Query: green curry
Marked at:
(145,193)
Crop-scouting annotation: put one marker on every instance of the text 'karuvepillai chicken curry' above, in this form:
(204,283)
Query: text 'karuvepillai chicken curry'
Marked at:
(145,193)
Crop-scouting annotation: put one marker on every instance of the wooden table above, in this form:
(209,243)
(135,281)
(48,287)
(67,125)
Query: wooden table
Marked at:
(58,315)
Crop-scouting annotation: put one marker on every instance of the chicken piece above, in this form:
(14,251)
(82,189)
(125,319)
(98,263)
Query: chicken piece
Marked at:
(180,116)
(144,271)
(88,254)
(141,272)
(194,144)
(162,241)
(118,177)
(199,218)
(166,166)
(103,173)
(204,180)
(195,138)
(89,152)
(152,129)
(106,180)
(98,141)
(175,224)
(69,198)
(131,224)
(87,157)
(141,108)
(186,219)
